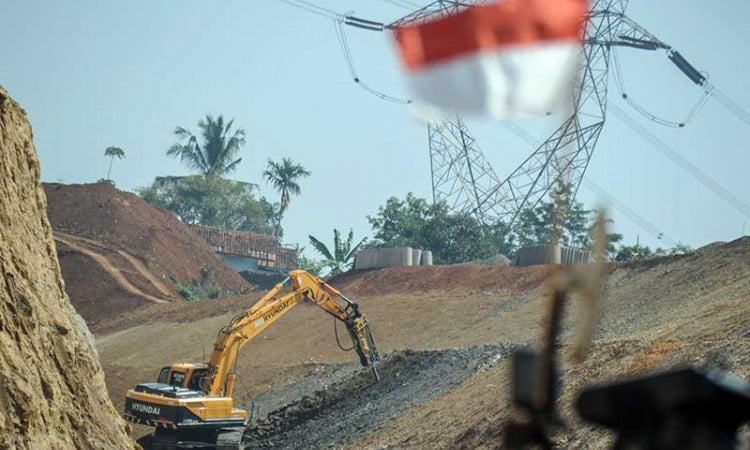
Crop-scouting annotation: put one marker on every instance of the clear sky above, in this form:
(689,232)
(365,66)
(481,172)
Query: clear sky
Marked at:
(94,73)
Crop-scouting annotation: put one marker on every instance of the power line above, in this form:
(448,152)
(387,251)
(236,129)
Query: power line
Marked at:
(680,160)
(312,8)
(620,84)
(339,22)
(346,51)
(403,4)
(730,105)
(632,215)
(597,190)
(722,98)
(319,8)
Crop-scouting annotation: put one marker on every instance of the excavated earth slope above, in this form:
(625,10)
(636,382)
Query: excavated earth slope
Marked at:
(52,392)
(123,229)
(445,333)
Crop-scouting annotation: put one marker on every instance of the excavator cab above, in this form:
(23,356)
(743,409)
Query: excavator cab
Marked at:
(190,376)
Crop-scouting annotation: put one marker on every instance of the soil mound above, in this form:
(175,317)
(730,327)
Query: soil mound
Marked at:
(52,392)
(446,278)
(97,225)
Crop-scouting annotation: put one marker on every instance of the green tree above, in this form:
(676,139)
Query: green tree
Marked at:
(456,238)
(311,265)
(342,256)
(112,153)
(625,253)
(635,252)
(216,154)
(213,201)
(452,237)
(538,226)
(284,176)
(400,223)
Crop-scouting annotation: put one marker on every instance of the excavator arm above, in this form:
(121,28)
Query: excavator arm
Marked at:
(322,294)
(271,307)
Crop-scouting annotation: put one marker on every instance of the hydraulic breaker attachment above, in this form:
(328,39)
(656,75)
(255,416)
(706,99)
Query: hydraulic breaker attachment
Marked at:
(364,344)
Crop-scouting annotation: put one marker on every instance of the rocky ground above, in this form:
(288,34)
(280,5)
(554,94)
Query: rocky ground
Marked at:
(356,403)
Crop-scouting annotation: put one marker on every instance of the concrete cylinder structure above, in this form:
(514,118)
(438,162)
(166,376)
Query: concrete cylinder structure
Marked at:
(391,257)
(539,254)
(426,258)
(575,256)
(416,256)
(401,256)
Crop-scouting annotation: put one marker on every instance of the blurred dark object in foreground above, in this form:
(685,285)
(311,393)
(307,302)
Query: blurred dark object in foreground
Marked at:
(684,409)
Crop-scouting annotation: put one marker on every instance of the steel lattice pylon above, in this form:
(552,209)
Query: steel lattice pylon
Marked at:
(461,175)
(465,180)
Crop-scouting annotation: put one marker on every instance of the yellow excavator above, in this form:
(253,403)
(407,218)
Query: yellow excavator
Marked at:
(190,405)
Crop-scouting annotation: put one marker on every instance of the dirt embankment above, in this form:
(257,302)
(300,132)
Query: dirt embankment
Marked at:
(447,278)
(119,253)
(52,392)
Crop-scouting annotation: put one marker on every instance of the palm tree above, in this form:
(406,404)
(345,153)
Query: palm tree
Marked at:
(343,253)
(112,153)
(283,176)
(215,156)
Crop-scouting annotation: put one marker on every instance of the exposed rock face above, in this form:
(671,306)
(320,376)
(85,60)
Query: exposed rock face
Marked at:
(52,392)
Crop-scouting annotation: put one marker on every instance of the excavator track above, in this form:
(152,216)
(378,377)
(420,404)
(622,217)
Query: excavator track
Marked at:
(223,439)
(230,439)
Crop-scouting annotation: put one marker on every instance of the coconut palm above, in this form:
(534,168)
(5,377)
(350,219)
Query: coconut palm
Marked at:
(216,154)
(112,153)
(283,176)
(341,258)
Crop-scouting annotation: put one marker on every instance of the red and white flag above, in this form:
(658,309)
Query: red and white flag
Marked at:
(509,57)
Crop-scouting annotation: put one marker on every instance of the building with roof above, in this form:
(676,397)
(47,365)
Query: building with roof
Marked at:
(245,251)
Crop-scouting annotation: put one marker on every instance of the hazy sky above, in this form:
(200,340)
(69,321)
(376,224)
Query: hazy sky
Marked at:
(94,73)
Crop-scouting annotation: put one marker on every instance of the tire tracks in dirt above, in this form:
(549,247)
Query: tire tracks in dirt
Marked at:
(84,246)
(147,274)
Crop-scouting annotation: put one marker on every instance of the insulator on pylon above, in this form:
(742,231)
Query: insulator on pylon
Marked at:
(686,68)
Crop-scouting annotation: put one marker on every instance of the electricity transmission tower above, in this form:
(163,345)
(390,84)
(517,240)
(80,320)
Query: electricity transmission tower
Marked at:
(465,180)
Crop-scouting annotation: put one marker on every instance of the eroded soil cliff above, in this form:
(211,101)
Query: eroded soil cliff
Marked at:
(52,392)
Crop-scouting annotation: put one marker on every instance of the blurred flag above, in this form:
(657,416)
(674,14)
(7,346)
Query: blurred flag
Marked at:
(508,57)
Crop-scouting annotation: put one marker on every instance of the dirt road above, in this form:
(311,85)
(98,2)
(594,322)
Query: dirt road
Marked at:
(88,247)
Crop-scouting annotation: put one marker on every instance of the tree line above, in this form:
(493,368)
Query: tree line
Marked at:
(208,197)
(459,237)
